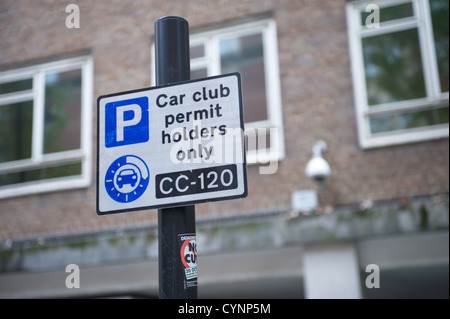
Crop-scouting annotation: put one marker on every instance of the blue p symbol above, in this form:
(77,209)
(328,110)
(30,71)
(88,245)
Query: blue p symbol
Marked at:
(126,122)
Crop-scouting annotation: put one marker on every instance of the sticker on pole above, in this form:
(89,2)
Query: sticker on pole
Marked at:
(172,145)
(188,255)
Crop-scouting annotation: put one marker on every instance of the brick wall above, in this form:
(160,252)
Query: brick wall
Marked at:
(317,103)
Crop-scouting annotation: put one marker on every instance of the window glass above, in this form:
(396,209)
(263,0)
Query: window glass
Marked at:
(199,73)
(245,55)
(408,120)
(15,86)
(393,67)
(400,11)
(16,131)
(439,16)
(40,174)
(197,51)
(62,111)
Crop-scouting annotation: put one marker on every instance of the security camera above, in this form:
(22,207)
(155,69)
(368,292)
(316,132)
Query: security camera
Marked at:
(318,168)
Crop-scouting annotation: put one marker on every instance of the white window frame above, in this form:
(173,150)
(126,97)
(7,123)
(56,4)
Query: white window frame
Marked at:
(356,32)
(38,158)
(211,61)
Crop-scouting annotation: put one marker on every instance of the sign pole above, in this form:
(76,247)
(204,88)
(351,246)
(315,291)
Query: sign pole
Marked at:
(176,225)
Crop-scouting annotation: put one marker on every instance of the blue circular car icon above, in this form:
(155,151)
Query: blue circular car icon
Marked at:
(127,179)
(127,176)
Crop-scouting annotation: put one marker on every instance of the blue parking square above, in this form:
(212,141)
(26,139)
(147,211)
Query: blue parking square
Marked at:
(126,122)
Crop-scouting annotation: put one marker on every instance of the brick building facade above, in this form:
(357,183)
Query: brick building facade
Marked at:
(380,191)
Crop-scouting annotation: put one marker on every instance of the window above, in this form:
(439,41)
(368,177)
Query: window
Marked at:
(400,70)
(45,127)
(251,50)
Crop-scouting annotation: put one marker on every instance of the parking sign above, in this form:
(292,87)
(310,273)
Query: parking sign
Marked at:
(171,145)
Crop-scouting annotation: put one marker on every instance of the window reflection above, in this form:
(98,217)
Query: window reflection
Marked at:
(199,74)
(15,131)
(439,15)
(16,86)
(197,51)
(390,13)
(245,55)
(40,174)
(62,127)
(408,120)
(393,67)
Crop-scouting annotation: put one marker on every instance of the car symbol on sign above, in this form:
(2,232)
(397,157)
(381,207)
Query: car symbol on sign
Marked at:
(127,176)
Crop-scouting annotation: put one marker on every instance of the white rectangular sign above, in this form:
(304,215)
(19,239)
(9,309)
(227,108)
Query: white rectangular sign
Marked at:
(171,145)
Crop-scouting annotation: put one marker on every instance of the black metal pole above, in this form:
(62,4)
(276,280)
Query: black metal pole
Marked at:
(177,223)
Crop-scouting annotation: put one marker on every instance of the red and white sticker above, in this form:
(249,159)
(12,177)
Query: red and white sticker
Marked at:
(188,254)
